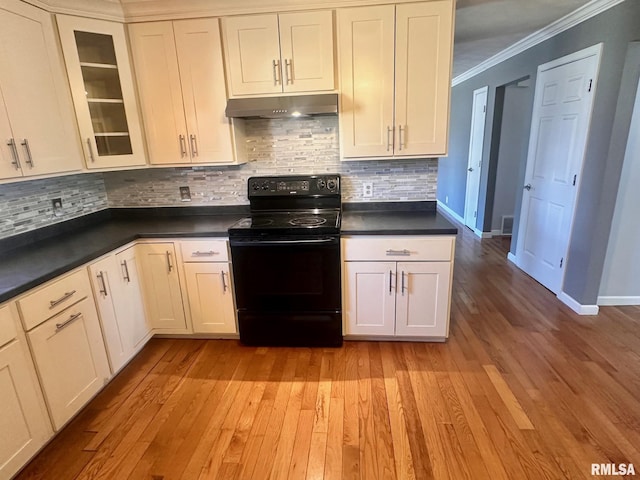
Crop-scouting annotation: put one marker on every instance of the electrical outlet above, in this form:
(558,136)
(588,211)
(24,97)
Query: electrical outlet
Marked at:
(367,189)
(185,194)
(57,206)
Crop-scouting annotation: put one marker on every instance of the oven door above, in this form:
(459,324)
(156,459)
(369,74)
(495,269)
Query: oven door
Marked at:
(287,274)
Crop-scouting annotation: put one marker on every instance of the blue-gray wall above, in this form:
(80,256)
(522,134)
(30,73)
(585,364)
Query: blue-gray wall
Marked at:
(615,28)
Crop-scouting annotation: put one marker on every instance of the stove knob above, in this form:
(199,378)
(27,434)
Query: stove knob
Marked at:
(321,184)
(265,186)
(256,186)
(332,184)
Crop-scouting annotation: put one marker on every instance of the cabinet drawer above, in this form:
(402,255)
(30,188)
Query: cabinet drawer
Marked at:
(54,297)
(400,248)
(204,251)
(7,326)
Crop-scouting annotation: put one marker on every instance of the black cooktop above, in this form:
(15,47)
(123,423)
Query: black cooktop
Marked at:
(315,222)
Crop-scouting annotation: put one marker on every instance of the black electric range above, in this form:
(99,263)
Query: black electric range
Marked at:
(286,262)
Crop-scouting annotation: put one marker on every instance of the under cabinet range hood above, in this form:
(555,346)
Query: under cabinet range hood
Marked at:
(283,107)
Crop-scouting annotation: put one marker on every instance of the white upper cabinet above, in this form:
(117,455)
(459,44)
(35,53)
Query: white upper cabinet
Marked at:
(42,138)
(395,79)
(180,76)
(97,60)
(275,53)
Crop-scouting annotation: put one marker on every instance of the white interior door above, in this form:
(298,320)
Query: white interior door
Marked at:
(559,127)
(474,167)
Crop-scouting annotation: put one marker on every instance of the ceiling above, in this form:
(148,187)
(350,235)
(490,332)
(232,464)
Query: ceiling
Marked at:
(486,27)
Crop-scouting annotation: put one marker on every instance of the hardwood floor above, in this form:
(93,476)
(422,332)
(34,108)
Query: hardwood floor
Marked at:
(523,389)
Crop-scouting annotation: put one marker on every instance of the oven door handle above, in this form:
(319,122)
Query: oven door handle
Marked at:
(266,243)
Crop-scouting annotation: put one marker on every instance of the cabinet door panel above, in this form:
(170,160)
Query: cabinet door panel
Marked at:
(203,90)
(423,77)
(97,60)
(161,287)
(35,90)
(210,297)
(10,164)
(423,304)
(369,297)
(104,278)
(252,46)
(156,64)
(366,55)
(132,306)
(71,359)
(306,45)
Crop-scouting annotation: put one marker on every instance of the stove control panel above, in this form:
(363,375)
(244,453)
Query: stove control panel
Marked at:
(298,185)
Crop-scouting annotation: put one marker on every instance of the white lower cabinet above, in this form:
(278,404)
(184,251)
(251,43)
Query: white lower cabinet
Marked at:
(116,288)
(71,360)
(24,422)
(208,286)
(387,298)
(161,287)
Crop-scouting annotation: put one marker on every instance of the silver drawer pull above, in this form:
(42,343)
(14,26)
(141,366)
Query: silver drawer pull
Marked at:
(402,283)
(103,290)
(390,278)
(66,296)
(90,147)
(399,253)
(14,152)
(126,271)
(60,326)
(25,144)
(169,264)
(198,253)
(224,282)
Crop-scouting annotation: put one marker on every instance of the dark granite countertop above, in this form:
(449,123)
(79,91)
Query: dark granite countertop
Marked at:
(395,218)
(33,258)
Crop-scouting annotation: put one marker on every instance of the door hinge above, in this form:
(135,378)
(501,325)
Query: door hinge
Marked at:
(575,177)
(484,109)
(561,262)
(590,84)
(475,214)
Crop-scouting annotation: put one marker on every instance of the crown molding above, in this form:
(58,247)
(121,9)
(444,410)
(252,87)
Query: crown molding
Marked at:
(100,9)
(587,11)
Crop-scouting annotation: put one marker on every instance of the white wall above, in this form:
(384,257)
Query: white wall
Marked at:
(513,138)
(621,276)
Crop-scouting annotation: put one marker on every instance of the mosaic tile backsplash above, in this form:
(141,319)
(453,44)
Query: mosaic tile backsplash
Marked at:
(276,147)
(27,205)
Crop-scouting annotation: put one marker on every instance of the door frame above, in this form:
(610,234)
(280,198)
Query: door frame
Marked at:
(475,140)
(595,50)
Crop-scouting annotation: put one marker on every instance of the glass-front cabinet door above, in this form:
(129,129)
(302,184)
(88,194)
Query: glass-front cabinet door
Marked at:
(97,60)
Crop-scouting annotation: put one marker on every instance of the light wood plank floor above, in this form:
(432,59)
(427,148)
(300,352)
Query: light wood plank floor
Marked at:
(523,389)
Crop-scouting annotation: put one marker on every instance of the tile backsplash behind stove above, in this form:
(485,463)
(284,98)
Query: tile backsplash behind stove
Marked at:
(277,147)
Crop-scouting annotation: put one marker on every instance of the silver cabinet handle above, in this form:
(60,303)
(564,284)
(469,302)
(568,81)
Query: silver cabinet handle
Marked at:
(390,275)
(91,156)
(183,146)
(194,145)
(403,283)
(527,187)
(198,253)
(400,139)
(389,137)
(276,73)
(25,144)
(224,282)
(288,71)
(66,296)
(169,264)
(126,271)
(103,290)
(14,152)
(398,253)
(60,326)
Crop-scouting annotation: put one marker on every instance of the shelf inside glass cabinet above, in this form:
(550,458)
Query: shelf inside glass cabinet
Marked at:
(103,91)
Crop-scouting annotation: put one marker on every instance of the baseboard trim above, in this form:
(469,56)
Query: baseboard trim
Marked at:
(512,258)
(618,301)
(496,233)
(482,234)
(578,307)
(450,213)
